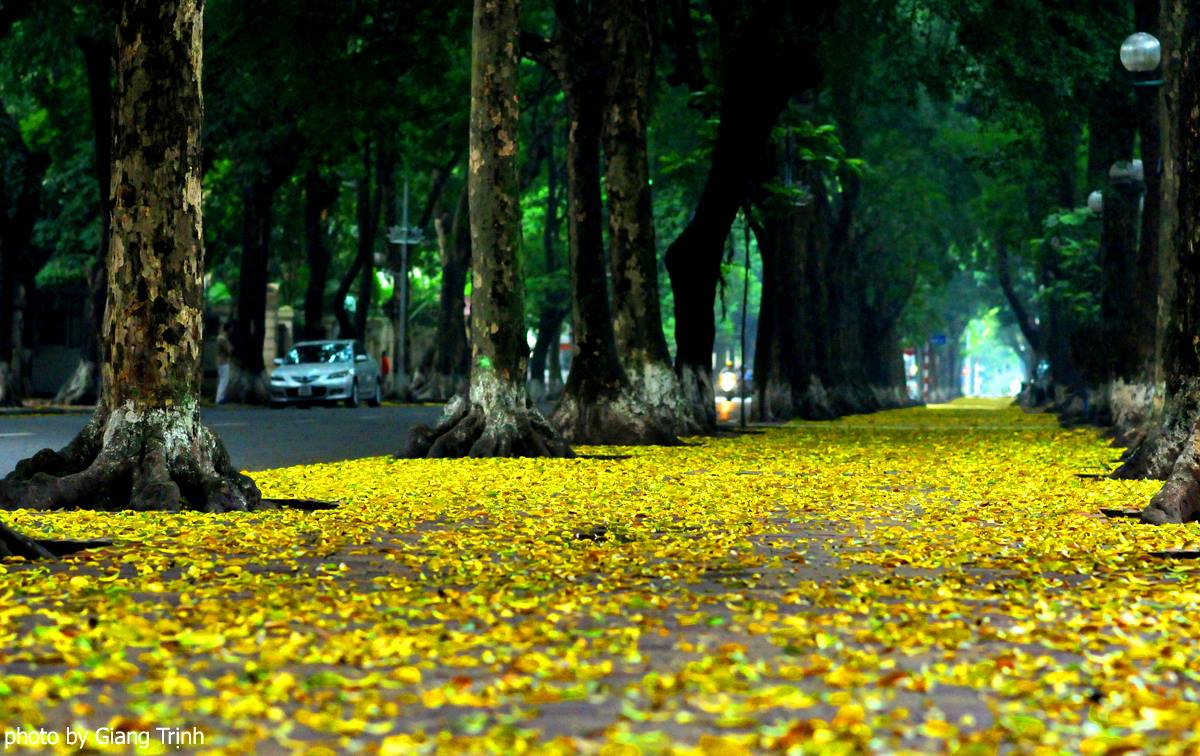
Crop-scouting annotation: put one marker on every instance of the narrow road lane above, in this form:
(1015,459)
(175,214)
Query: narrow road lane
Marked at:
(257,438)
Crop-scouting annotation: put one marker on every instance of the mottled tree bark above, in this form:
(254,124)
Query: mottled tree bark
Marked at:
(145,447)
(633,253)
(497,418)
(598,404)
(1179,499)
(319,195)
(83,386)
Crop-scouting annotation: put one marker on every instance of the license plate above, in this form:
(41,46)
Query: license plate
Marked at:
(305,391)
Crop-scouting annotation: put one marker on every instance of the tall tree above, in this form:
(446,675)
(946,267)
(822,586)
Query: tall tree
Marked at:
(756,38)
(1179,499)
(599,404)
(145,446)
(1157,447)
(277,162)
(497,418)
(628,45)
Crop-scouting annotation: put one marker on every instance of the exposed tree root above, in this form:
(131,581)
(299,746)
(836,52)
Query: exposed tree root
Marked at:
(620,420)
(487,428)
(14,544)
(1154,457)
(82,387)
(1179,499)
(157,460)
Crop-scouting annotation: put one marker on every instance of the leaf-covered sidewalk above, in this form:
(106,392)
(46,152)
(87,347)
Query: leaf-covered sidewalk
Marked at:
(924,579)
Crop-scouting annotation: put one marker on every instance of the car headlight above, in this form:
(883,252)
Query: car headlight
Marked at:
(277,379)
(337,375)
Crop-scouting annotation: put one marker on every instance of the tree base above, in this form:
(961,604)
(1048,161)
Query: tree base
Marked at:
(82,387)
(1154,456)
(620,420)
(1130,406)
(500,422)
(656,386)
(1179,499)
(696,384)
(146,460)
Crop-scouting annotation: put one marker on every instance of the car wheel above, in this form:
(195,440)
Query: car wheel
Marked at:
(276,405)
(376,398)
(352,400)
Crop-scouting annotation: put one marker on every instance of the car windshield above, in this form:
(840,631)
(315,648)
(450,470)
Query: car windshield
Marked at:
(305,354)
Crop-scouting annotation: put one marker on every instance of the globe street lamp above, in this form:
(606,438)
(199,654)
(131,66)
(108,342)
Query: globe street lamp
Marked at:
(1127,172)
(1141,54)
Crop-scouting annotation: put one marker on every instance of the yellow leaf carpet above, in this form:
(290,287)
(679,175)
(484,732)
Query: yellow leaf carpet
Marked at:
(923,580)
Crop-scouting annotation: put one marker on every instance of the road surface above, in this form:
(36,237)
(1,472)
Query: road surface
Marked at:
(257,438)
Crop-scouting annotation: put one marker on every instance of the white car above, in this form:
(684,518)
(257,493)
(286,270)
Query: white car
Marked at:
(326,371)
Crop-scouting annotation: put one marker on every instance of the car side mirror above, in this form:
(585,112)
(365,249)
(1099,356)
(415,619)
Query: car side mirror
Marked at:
(360,358)
(278,360)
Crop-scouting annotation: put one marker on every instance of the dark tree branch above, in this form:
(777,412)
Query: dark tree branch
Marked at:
(1024,321)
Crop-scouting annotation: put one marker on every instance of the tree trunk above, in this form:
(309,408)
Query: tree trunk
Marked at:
(633,254)
(449,363)
(554,311)
(1179,499)
(1118,259)
(83,387)
(749,109)
(1177,391)
(497,419)
(784,354)
(319,195)
(780,38)
(145,447)
(248,378)
(598,403)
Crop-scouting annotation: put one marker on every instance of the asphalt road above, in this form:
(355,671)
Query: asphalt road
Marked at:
(257,438)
